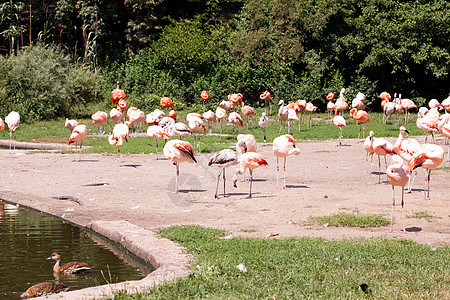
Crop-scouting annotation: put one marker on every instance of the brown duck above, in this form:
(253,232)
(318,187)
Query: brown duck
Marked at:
(70,267)
(44,288)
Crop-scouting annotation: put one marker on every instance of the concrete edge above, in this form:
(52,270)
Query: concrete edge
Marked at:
(169,259)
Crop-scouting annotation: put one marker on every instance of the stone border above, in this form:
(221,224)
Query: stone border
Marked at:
(41,146)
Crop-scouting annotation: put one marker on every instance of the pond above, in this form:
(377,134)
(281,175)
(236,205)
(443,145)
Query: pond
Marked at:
(28,237)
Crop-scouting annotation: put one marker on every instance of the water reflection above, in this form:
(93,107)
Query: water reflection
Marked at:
(28,237)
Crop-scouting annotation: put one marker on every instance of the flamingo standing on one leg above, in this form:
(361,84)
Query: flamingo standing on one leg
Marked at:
(429,157)
(368,146)
(362,116)
(210,117)
(382,147)
(247,110)
(427,124)
(339,121)
(301,107)
(121,132)
(406,148)
(221,115)
(157,132)
(223,159)
(235,119)
(397,176)
(196,125)
(283,114)
(100,118)
(79,134)
(179,151)
(444,128)
(250,160)
(263,123)
(13,121)
(282,147)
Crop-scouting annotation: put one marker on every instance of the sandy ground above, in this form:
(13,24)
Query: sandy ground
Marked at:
(324,179)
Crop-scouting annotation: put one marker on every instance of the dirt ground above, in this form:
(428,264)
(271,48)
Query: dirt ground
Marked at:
(324,179)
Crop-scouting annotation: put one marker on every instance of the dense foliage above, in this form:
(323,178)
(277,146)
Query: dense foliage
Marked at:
(41,83)
(294,48)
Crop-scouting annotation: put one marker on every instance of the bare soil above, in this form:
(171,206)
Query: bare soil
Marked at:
(324,179)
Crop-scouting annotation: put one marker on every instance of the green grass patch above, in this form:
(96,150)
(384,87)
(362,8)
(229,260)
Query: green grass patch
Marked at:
(443,168)
(350,220)
(248,230)
(310,268)
(422,215)
(322,129)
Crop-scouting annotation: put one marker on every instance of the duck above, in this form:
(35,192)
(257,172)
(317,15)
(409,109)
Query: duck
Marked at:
(70,267)
(44,288)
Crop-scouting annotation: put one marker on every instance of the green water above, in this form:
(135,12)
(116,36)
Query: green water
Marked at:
(28,237)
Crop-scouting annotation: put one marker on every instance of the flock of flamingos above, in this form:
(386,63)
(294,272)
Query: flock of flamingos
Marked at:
(407,153)
(164,126)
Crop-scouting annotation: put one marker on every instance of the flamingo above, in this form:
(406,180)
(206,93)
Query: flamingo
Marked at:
(236,99)
(358,102)
(310,108)
(407,105)
(339,121)
(330,104)
(136,115)
(221,114)
(122,105)
(388,109)
(444,128)
(70,124)
(385,98)
(429,157)
(362,116)
(117,94)
(266,96)
(283,113)
(368,146)
(425,123)
(44,289)
(235,119)
(196,125)
(120,133)
(210,117)
(154,117)
(406,148)
(250,160)
(157,132)
(397,176)
(433,103)
(166,102)
(446,104)
(302,106)
(100,118)
(223,159)
(13,121)
(179,129)
(179,151)
(79,134)
(166,122)
(247,110)
(341,103)
(382,147)
(282,147)
(2,124)
(116,115)
(263,122)
(172,114)
(226,104)
(249,140)
(205,96)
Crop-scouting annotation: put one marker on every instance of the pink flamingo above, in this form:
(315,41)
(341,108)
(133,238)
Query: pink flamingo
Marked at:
(407,104)
(330,104)
(122,106)
(136,115)
(382,147)
(249,140)
(247,110)
(210,117)
(120,133)
(444,128)
(236,99)
(358,102)
(221,115)
(301,106)
(235,119)
(116,115)
(425,123)
(310,108)
(406,148)
(250,160)
(157,132)
(70,124)
(179,151)
(362,116)
(79,134)
(179,129)
(397,176)
(2,125)
(283,114)
(100,118)
(172,114)
(339,121)
(433,103)
(282,147)
(226,104)
(446,104)
(368,146)
(196,124)
(166,102)
(266,96)
(205,96)
(13,121)
(429,157)
(117,94)
(223,159)
(341,103)
(263,123)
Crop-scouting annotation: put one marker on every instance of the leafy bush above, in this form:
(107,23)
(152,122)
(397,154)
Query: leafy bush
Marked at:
(41,83)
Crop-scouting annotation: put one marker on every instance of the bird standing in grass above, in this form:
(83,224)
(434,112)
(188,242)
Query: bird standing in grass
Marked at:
(179,151)
(263,123)
(361,116)
(397,174)
(282,147)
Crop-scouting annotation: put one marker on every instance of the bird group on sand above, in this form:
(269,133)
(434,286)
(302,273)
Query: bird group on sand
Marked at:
(49,287)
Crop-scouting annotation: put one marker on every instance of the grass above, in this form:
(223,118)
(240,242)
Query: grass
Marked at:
(321,129)
(350,220)
(422,215)
(310,268)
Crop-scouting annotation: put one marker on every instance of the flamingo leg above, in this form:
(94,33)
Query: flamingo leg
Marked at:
(264,129)
(364,131)
(176,180)
(224,179)
(10,141)
(393,204)
(448,153)
(403,204)
(156,149)
(278,171)
(217,186)
(289,127)
(359,133)
(427,182)
(251,180)
(284,174)
(379,169)
(79,157)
